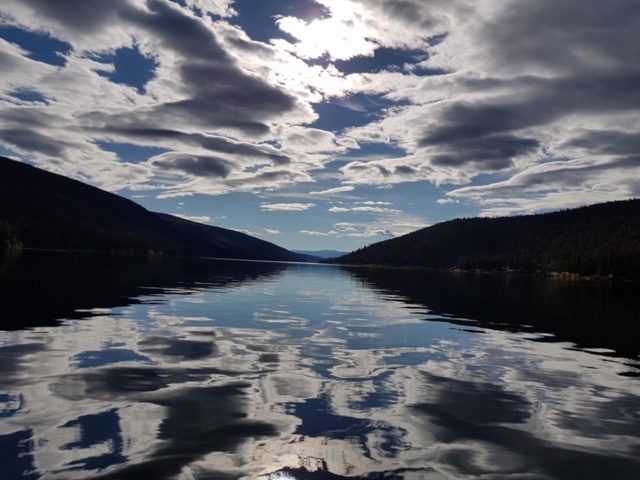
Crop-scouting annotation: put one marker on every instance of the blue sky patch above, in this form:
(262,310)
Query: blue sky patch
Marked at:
(131,68)
(353,111)
(335,117)
(129,152)
(100,358)
(27,95)
(383,149)
(383,59)
(42,47)
(252,16)
(5,152)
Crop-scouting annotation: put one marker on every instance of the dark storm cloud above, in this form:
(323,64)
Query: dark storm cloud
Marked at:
(384,171)
(405,170)
(493,152)
(220,95)
(607,141)
(23,127)
(225,96)
(219,144)
(566,35)
(486,132)
(212,143)
(83,16)
(567,175)
(28,117)
(406,11)
(33,141)
(360,167)
(253,47)
(269,178)
(196,165)
(474,121)
(178,31)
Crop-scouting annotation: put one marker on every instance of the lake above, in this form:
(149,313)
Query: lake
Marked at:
(115,367)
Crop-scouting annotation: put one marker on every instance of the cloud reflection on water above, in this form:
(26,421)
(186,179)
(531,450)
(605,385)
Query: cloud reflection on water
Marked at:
(355,386)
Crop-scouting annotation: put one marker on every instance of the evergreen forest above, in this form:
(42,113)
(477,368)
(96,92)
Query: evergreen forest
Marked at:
(601,239)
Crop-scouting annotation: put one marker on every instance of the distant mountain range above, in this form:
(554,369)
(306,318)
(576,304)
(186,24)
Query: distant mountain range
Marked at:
(600,239)
(320,254)
(39,209)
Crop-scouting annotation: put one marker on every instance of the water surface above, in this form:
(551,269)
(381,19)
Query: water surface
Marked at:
(129,368)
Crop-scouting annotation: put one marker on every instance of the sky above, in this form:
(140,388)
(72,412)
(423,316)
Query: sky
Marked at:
(328,124)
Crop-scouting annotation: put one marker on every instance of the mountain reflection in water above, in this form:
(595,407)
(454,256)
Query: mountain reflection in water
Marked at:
(166,368)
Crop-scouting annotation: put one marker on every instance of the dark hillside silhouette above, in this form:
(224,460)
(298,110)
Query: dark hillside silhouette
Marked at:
(600,239)
(39,209)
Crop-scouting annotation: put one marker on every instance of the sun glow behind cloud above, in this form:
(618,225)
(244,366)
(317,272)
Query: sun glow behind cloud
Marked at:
(342,36)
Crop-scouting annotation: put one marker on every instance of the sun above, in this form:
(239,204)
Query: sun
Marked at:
(340,36)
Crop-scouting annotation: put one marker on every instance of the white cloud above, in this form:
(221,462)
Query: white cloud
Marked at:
(222,8)
(193,218)
(248,232)
(384,227)
(272,231)
(366,209)
(286,207)
(314,233)
(331,191)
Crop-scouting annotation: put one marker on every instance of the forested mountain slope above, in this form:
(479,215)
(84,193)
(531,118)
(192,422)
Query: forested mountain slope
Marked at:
(39,209)
(598,239)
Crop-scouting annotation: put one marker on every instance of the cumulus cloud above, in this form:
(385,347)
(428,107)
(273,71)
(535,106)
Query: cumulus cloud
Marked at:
(248,232)
(196,165)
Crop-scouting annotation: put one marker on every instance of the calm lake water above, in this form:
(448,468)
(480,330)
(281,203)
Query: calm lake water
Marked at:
(148,368)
